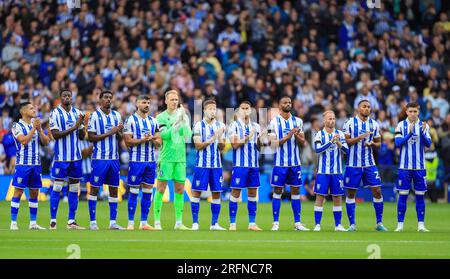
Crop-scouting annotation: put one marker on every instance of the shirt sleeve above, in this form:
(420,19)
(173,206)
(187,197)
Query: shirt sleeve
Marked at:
(53,122)
(197,130)
(79,114)
(232,130)
(272,131)
(399,130)
(376,132)
(299,124)
(92,124)
(346,128)
(16,130)
(128,127)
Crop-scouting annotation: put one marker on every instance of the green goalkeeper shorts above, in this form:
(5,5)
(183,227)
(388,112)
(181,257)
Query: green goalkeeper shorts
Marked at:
(175,171)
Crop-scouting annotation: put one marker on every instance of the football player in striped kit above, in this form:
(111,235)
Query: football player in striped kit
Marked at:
(329,144)
(362,134)
(412,136)
(209,140)
(66,126)
(105,125)
(28,135)
(245,140)
(141,135)
(286,136)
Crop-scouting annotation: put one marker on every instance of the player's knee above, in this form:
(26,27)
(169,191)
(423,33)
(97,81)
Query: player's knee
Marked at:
(134,190)
(74,187)
(403,192)
(58,185)
(93,191)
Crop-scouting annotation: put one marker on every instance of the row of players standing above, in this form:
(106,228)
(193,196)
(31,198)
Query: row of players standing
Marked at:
(170,130)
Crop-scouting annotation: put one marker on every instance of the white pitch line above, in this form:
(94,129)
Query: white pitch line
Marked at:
(229,241)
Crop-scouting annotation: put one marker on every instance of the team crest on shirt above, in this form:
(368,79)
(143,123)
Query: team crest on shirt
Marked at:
(70,123)
(95,179)
(318,186)
(238,180)
(19,180)
(347,180)
(108,127)
(57,171)
(275,178)
(133,178)
(197,183)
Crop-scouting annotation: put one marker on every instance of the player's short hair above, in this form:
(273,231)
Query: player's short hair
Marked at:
(362,101)
(143,97)
(106,91)
(245,102)
(64,90)
(24,104)
(170,92)
(283,97)
(412,105)
(209,102)
(327,112)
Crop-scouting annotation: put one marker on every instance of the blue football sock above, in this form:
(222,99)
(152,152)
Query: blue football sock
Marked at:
(378,204)
(252,207)
(318,214)
(15,204)
(276,206)
(401,207)
(195,208)
(351,206)
(215,211)
(54,203)
(112,208)
(296,207)
(420,207)
(92,202)
(146,203)
(233,209)
(33,204)
(132,204)
(337,213)
(73,200)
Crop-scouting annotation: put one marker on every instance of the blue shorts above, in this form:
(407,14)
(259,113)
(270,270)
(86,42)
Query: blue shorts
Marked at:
(291,176)
(327,184)
(105,172)
(205,176)
(63,170)
(369,175)
(141,172)
(27,177)
(418,177)
(242,177)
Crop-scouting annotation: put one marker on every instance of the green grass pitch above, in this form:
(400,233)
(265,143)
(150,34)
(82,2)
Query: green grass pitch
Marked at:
(285,243)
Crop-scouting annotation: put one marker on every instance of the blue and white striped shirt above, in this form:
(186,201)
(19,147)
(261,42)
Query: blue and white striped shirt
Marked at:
(26,154)
(412,153)
(138,127)
(288,154)
(66,148)
(248,154)
(209,157)
(100,123)
(360,155)
(330,160)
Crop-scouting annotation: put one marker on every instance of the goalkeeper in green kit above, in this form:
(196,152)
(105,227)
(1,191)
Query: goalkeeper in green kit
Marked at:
(174,127)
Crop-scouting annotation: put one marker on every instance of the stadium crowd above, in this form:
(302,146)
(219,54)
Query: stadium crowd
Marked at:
(324,54)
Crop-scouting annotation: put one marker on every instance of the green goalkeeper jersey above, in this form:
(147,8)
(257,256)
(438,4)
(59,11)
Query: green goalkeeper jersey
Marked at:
(173,142)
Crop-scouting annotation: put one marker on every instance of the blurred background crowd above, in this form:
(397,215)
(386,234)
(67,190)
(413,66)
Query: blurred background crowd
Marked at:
(325,54)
